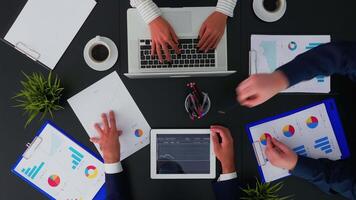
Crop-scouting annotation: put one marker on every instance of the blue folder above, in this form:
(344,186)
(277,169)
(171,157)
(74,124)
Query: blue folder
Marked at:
(101,193)
(334,120)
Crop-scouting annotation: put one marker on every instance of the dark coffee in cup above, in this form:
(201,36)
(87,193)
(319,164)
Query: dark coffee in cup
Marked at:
(271,5)
(99,53)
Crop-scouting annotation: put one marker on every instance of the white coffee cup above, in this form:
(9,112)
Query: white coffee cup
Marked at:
(98,43)
(269,15)
(106,56)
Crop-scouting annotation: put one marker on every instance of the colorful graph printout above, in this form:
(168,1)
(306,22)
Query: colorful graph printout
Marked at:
(312,122)
(288,131)
(308,132)
(56,166)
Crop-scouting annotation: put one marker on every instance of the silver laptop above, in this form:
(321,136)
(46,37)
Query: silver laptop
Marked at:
(190,63)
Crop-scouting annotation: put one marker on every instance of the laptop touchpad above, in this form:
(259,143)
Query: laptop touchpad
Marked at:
(180,21)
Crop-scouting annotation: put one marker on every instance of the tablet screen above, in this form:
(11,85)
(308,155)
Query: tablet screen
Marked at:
(183,154)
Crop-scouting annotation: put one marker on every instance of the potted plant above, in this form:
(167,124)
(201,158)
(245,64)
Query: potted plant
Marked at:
(264,191)
(39,95)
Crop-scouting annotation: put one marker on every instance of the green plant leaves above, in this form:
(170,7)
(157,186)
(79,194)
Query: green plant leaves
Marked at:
(39,95)
(264,191)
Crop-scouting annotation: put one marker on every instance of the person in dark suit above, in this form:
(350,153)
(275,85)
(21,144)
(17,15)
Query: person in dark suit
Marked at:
(226,187)
(110,147)
(328,59)
(333,177)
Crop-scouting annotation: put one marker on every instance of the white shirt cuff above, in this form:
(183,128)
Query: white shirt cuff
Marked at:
(226,7)
(149,11)
(226,177)
(113,168)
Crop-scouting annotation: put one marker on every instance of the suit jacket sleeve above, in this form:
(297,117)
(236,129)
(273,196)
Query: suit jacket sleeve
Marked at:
(115,187)
(333,177)
(227,190)
(327,59)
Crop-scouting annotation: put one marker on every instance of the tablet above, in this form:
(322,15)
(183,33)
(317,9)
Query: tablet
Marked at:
(182,154)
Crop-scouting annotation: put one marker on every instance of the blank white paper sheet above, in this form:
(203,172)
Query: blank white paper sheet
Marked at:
(108,94)
(45,28)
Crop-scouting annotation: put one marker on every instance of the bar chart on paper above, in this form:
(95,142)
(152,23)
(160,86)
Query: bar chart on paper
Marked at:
(300,150)
(60,168)
(32,172)
(323,144)
(77,157)
(312,45)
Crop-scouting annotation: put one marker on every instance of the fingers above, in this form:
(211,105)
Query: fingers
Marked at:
(270,151)
(119,132)
(244,84)
(166,52)
(269,143)
(223,132)
(246,94)
(252,102)
(211,45)
(209,39)
(268,154)
(174,46)
(153,48)
(203,39)
(280,145)
(201,32)
(104,118)
(159,52)
(112,119)
(216,42)
(215,139)
(99,130)
(95,140)
(272,156)
(275,147)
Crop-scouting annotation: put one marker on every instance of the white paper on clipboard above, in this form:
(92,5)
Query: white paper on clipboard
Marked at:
(59,167)
(45,28)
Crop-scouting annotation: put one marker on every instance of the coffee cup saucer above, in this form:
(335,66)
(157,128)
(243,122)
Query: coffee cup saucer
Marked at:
(266,15)
(108,62)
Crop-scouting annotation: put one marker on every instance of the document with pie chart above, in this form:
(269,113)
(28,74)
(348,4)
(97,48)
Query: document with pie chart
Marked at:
(314,131)
(268,52)
(60,168)
(107,94)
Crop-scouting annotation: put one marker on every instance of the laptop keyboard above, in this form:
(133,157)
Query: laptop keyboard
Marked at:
(190,56)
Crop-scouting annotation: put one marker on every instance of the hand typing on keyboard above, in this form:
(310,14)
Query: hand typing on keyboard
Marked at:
(211,31)
(189,56)
(163,37)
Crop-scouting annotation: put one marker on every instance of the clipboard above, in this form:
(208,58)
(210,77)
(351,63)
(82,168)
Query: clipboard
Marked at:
(44,29)
(50,181)
(316,150)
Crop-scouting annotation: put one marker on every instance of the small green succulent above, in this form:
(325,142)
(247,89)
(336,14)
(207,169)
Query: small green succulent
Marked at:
(39,95)
(264,191)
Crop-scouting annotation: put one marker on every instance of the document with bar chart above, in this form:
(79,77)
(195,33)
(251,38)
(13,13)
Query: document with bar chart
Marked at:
(268,52)
(314,131)
(60,168)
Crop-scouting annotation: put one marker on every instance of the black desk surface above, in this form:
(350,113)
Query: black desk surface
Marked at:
(161,100)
